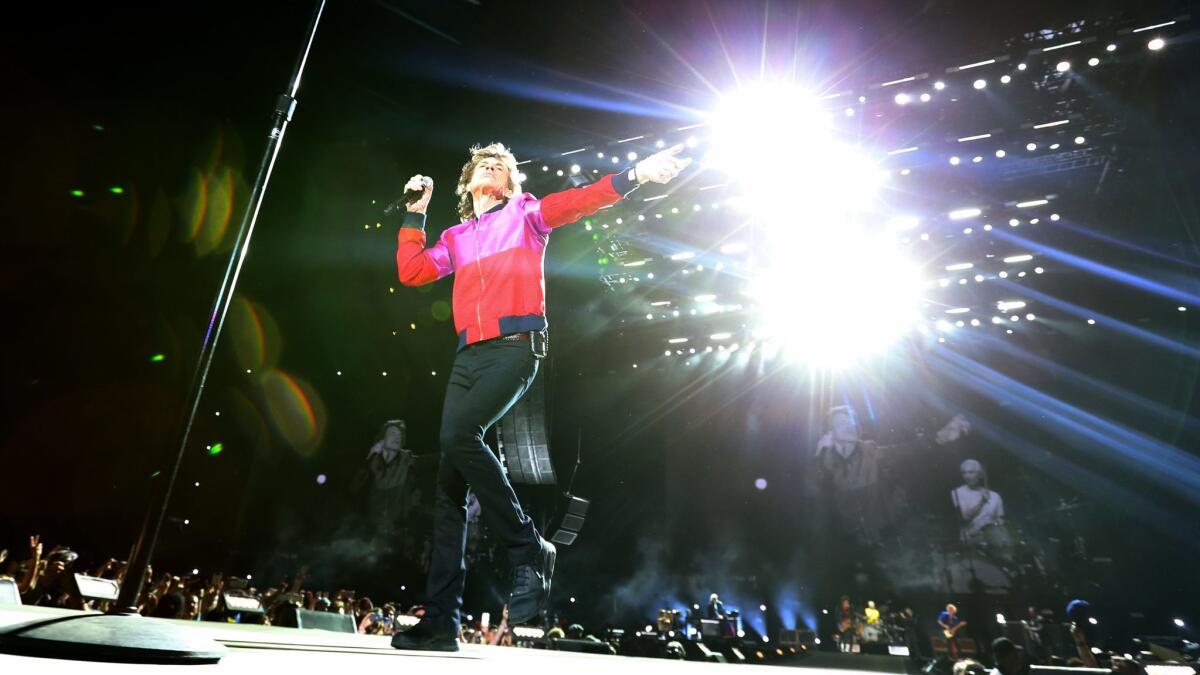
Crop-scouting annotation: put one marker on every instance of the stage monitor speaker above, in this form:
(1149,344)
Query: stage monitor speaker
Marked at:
(243,603)
(338,623)
(524,445)
(574,511)
(9,593)
(584,646)
(95,588)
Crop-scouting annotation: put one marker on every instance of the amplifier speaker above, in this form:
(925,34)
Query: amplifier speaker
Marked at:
(338,623)
(574,511)
(521,435)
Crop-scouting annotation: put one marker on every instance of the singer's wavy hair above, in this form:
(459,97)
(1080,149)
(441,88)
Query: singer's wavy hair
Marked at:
(466,205)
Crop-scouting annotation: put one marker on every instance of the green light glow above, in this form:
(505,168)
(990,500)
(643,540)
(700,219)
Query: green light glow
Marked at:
(155,474)
(216,449)
(97,127)
(76,193)
(117,190)
(158,358)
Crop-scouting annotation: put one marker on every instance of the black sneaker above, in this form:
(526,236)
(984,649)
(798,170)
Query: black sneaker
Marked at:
(531,585)
(422,637)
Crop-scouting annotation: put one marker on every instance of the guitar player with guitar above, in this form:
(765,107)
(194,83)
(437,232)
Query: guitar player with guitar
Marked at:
(951,624)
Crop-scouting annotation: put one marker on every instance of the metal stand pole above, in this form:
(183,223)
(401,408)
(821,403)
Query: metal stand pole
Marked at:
(123,635)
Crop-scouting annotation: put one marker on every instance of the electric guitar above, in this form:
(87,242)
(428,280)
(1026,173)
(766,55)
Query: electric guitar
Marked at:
(953,630)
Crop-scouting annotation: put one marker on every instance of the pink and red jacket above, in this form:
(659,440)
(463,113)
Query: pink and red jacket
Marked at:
(499,283)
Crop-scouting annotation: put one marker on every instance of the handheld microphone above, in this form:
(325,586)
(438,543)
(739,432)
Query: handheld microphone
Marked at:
(409,197)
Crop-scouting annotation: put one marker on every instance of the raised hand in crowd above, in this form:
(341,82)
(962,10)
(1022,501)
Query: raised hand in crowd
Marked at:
(29,581)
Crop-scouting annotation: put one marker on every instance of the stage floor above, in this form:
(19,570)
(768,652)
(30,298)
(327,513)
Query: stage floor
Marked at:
(255,650)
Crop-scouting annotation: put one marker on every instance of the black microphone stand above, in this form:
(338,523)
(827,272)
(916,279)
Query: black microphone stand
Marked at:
(123,635)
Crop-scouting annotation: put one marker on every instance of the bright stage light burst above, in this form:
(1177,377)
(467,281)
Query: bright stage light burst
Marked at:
(833,298)
(830,284)
(775,142)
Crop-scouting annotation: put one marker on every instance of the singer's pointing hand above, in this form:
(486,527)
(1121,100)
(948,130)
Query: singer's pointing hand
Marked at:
(661,167)
(419,183)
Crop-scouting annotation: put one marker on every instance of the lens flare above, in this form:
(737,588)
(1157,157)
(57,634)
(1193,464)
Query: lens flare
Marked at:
(295,410)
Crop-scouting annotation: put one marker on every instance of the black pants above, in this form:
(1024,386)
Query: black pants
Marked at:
(486,380)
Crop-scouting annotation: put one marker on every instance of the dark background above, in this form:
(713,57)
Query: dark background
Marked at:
(173,107)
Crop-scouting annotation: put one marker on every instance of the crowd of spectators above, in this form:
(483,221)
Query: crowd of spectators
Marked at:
(48,578)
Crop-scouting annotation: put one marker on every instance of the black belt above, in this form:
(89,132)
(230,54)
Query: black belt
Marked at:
(516,337)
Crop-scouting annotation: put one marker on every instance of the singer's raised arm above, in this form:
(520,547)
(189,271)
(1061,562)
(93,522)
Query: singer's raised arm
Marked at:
(568,206)
(415,264)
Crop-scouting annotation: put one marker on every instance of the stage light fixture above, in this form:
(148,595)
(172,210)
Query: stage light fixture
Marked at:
(959,214)
(1181,308)
(1030,317)
(1080,140)
(954,161)
(631,156)
(1091,322)
(925,97)
(902,98)
(1031,146)
(979,84)
(1110,48)
(1063,66)
(1054,216)
(1156,44)
(977,159)
(1055,146)
(1005,79)
(939,85)
(1094,61)
(849,112)
(975,322)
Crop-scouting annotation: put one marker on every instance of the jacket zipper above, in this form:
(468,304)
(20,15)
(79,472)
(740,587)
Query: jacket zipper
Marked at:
(482,287)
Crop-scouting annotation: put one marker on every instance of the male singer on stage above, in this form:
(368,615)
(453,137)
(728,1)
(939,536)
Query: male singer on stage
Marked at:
(499,303)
